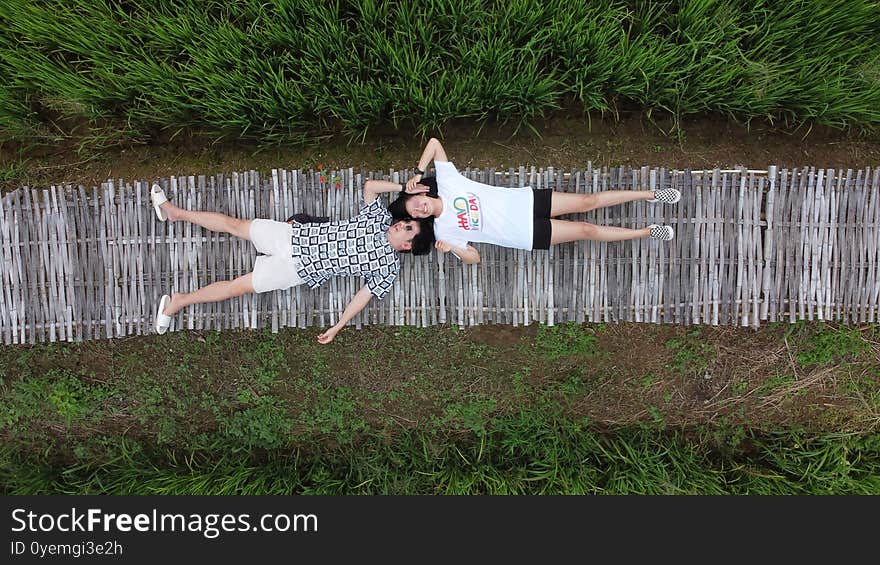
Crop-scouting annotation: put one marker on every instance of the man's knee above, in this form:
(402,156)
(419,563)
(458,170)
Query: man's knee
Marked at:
(240,228)
(242,285)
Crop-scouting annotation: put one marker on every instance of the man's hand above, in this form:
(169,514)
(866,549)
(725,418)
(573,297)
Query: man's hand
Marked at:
(328,335)
(413,186)
(442,246)
(358,303)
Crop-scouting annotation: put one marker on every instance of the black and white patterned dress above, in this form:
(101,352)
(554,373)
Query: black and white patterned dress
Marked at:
(357,246)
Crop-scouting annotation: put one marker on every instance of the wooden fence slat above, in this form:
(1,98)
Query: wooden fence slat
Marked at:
(872,229)
(7,286)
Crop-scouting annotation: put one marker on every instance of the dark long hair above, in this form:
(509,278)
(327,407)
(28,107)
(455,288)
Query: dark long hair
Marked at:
(398,207)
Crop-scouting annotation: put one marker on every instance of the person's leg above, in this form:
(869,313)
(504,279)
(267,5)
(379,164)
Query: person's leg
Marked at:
(271,272)
(564,230)
(573,203)
(215,292)
(213,221)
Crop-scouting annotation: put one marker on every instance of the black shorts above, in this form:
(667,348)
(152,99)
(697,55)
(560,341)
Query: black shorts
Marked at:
(541,218)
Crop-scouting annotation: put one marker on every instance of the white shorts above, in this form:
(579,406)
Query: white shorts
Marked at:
(276,269)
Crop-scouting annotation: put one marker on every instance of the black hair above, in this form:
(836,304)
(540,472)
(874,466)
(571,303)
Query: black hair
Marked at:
(398,207)
(423,242)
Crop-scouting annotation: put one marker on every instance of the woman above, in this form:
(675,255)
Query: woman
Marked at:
(467,211)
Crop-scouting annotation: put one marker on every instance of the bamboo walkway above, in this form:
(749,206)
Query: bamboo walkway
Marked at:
(750,247)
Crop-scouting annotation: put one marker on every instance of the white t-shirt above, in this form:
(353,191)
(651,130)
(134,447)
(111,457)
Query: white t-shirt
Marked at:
(477,212)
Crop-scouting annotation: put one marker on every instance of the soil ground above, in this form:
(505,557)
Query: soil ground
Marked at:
(559,142)
(815,377)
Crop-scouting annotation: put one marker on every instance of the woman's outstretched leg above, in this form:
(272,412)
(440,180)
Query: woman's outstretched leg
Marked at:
(573,203)
(563,231)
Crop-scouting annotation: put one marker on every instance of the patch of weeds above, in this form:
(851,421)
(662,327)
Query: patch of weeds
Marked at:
(22,364)
(649,380)
(739,387)
(824,345)
(148,401)
(304,385)
(93,449)
(265,424)
(520,386)
(335,412)
(58,393)
(867,388)
(166,429)
(657,416)
(567,339)
(478,351)
(152,408)
(728,434)
(303,355)
(571,386)
(266,360)
(407,333)
(211,403)
(83,452)
(474,415)
(19,402)
(404,342)
(774,383)
(130,361)
(72,399)
(319,365)
(212,338)
(691,355)
(14,171)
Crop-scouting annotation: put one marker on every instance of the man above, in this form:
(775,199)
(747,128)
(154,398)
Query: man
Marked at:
(295,253)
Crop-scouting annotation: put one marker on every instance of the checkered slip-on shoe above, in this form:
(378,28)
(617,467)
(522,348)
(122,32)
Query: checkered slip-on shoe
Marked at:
(666,196)
(663,233)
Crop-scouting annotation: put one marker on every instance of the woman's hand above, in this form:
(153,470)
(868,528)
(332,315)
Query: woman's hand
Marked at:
(413,186)
(468,255)
(442,246)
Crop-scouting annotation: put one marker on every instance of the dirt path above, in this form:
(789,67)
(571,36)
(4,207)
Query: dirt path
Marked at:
(563,142)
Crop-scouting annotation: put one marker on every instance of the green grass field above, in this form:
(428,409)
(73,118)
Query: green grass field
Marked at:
(446,410)
(605,409)
(293,71)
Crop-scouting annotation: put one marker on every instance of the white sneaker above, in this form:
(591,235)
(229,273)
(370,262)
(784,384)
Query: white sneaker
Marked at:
(663,233)
(666,196)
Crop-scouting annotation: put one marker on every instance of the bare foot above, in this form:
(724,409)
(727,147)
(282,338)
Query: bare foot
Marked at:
(175,304)
(172,212)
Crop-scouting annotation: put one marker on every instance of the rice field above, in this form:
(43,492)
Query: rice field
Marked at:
(291,71)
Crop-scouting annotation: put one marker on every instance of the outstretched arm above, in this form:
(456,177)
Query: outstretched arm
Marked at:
(373,188)
(467,255)
(433,150)
(358,303)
